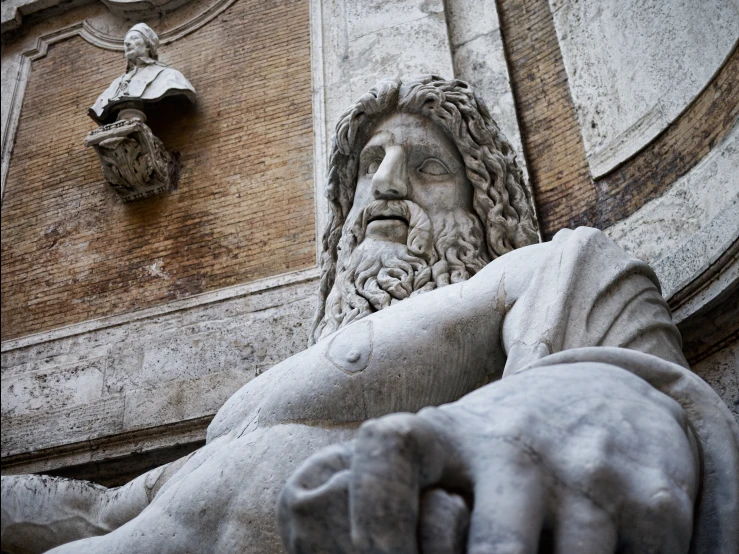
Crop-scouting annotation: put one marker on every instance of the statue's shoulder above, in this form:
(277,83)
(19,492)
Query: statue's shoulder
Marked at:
(580,235)
(576,259)
(97,110)
(588,243)
(163,80)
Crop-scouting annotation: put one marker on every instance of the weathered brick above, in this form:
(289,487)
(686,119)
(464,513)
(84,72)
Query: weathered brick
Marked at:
(243,209)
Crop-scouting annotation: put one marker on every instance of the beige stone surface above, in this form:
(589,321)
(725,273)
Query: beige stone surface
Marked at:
(145,373)
(682,232)
(633,67)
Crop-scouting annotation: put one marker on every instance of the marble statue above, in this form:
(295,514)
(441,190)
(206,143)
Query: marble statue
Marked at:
(146,81)
(468,388)
(133,160)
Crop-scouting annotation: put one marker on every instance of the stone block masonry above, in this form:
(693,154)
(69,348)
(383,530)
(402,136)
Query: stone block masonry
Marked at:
(117,400)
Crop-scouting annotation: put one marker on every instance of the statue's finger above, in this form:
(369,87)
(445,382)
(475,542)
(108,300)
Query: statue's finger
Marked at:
(584,528)
(395,457)
(510,506)
(313,507)
(658,517)
(443,523)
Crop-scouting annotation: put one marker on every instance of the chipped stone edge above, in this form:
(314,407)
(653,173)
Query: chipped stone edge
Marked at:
(96,38)
(228,293)
(320,134)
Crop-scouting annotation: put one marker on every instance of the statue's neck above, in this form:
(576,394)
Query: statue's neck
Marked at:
(140,63)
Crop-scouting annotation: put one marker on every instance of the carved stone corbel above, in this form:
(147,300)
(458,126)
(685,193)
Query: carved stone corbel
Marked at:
(134,161)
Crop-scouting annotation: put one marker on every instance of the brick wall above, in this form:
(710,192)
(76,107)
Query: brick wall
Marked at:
(550,132)
(243,210)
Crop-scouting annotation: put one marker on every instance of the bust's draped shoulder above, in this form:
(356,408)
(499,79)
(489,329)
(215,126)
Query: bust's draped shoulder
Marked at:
(148,84)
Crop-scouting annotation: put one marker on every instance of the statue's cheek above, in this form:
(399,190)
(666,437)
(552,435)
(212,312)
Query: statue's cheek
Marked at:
(351,349)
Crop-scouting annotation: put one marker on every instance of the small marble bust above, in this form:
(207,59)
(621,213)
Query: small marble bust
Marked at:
(146,81)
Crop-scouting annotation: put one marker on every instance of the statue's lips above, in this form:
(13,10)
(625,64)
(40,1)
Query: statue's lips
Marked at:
(389,218)
(388,227)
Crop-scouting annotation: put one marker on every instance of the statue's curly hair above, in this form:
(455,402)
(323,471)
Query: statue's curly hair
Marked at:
(501,200)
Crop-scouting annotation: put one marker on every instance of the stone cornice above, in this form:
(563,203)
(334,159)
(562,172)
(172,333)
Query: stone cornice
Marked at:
(219,295)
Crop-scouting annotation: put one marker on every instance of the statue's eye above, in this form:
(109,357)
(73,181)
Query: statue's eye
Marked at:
(373,166)
(432,166)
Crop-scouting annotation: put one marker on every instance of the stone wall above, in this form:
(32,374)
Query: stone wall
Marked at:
(721,371)
(558,57)
(634,66)
(142,387)
(243,210)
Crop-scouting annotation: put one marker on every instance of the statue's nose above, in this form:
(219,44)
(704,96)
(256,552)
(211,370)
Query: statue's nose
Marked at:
(391,179)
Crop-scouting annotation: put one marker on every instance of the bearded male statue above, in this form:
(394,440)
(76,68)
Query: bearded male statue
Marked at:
(570,420)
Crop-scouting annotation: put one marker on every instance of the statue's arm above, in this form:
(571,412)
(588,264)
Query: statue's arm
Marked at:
(40,512)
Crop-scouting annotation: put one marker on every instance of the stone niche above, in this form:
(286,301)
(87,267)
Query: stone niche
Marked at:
(133,160)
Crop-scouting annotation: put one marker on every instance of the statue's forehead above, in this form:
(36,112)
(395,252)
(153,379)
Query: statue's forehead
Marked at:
(410,129)
(135,33)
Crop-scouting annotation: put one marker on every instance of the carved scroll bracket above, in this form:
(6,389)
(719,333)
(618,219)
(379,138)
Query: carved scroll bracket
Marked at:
(133,160)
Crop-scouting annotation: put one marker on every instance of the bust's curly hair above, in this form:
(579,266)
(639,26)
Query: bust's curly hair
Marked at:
(501,200)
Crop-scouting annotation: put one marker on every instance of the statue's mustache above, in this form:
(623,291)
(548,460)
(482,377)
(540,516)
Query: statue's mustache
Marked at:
(420,231)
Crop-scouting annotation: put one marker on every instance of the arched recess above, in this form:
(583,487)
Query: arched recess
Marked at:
(673,201)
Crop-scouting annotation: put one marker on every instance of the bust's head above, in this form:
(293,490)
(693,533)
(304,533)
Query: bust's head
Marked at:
(424,191)
(140,45)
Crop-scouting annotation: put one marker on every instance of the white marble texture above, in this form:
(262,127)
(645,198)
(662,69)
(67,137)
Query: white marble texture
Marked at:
(634,66)
(681,232)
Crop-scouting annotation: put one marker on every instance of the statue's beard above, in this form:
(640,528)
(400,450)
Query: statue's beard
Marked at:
(373,274)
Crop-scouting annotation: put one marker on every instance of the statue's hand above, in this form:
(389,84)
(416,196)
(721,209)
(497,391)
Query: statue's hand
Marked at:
(584,458)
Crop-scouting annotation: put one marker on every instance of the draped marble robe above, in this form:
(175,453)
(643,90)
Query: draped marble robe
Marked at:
(586,297)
